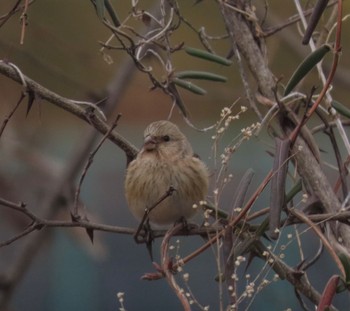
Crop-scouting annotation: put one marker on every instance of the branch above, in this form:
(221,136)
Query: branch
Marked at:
(57,197)
(285,272)
(295,277)
(250,46)
(243,34)
(86,114)
(318,232)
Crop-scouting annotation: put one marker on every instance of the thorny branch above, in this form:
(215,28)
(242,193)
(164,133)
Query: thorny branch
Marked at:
(84,113)
(40,223)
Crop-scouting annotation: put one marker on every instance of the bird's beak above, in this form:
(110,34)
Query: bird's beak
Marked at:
(149,143)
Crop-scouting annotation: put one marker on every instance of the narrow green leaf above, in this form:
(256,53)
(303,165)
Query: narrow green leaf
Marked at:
(112,13)
(313,21)
(100,8)
(345,260)
(189,86)
(200,75)
(208,56)
(246,245)
(178,100)
(341,108)
(294,191)
(262,228)
(303,69)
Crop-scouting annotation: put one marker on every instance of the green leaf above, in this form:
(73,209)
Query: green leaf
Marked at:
(341,108)
(189,86)
(260,231)
(303,69)
(294,191)
(100,8)
(200,75)
(208,56)
(317,12)
(345,260)
(112,13)
(178,100)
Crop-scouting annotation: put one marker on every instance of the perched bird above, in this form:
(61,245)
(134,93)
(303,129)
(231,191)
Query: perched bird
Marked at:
(165,160)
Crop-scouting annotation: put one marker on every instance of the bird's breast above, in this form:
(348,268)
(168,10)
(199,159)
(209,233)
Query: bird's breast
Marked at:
(148,179)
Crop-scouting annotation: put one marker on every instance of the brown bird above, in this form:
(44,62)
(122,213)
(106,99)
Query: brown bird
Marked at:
(166,160)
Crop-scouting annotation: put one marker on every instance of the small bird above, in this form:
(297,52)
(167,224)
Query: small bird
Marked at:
(166,161)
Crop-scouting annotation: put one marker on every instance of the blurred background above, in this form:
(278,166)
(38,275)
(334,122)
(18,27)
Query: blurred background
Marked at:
(62,52)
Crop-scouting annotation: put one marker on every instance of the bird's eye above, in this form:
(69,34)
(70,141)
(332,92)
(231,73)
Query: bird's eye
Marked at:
(166,138)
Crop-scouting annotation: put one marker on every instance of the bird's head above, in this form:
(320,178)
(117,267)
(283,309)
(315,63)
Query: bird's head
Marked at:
(165,139)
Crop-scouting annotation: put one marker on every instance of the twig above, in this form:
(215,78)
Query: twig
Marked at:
(24,20)
(88,164)
(168,270)
(296,278)
(322,127)
(16,206)
(233,222)
(6,17)
(341,168)
(290,21)
(15,9)
(318,232)
(144,219)
(26,231)
(38,223)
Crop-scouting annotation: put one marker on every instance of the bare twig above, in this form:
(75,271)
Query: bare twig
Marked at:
(14,10)
(290,21)
(144,219)
(88,164)
(233,222)
(168,270)
(24,21)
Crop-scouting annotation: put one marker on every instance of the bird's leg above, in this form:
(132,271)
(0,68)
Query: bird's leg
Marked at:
(183,221)
(144,224)
(186,227)
(147,237)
